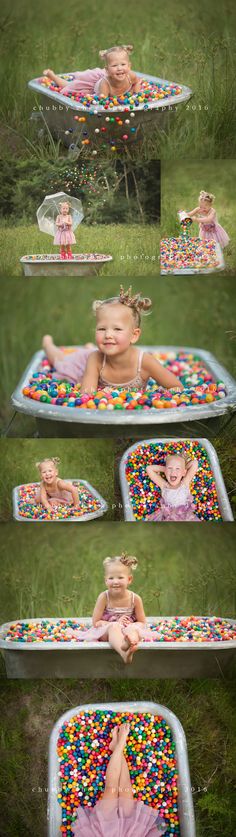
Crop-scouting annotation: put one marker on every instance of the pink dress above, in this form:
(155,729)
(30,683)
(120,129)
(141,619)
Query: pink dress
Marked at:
(88,82)
(214,231)
(176,505)
(72,369)
(95,822)
(113,614)
(64,234)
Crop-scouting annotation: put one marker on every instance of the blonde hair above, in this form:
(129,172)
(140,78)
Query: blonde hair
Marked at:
(104,53)
(129,561)
(54,459)
(137,303)
(63,203)
(206,196)
(183,454)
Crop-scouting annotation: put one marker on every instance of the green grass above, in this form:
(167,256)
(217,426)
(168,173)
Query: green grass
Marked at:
(134,248)
(88,460)
(181,184)
(46,572)
(63,308)
(29,710)
(192,44)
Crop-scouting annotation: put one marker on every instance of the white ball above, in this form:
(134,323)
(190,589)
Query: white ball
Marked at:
(97,130)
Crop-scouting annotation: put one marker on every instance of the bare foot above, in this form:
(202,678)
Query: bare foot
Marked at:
(123,733)
(130,653)
(125,644)
(114,739)
(47,341)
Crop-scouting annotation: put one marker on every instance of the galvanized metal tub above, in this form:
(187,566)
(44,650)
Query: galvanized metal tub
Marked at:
(222,496)
(97,660)
(185,802)
(72,519)
(58,113)
(51,265)
(104,418)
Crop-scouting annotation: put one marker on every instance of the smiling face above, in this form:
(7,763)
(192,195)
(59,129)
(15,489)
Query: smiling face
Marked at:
(118,65)
(175,470)
(116,329)
(205,205)
(117,577)
(48,471)
(64,207)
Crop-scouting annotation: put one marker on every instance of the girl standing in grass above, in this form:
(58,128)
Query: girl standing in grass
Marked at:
(118,814)
(176,500)
(64,235)
(116,363)
(115,79)
(205,215)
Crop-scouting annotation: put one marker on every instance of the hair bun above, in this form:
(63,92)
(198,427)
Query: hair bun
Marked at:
(129,561)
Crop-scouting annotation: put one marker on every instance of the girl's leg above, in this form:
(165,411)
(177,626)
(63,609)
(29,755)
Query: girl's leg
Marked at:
(125,789)
(130,641)
(116,639)
(112,778)
(61,82)
(53,352)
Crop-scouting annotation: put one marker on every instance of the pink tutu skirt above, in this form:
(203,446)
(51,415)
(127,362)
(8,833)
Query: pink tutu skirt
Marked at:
(72,368)
(98,822)
(174,513)
(209,232)
(63,237)
(85,81)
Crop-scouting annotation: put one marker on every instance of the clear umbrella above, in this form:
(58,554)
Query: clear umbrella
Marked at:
(50,208)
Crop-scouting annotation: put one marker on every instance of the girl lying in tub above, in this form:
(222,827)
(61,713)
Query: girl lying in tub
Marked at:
(115,79)
(118,814)
(118,616)
(52,490)
(174,480)
(116,363)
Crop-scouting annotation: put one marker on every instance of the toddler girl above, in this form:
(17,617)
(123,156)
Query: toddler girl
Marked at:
(115,79)
(176,500)
(64,234)
(53,490)
(205,215)
(118,814)
(118,616)
(116,363)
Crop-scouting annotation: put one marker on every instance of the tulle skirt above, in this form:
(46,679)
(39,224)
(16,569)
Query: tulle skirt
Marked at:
(98,822)
(208,232)
(173,513)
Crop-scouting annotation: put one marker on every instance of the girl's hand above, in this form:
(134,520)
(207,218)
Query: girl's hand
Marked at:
(101,623)
(124,620)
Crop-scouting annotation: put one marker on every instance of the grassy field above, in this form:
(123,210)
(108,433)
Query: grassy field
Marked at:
(48,573)
(181,184)
(29,710)
(193,45)
(180,317)
(226,450)
(88,460)
(134,248)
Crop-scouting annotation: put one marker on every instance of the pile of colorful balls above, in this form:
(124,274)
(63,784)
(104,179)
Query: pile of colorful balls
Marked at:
(145,496)
(29,509)
(76,257)
(150,93)
(197,380)
(185,253)
(83,754)
(167,629)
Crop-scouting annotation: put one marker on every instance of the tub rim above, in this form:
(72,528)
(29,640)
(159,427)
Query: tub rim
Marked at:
(42,410)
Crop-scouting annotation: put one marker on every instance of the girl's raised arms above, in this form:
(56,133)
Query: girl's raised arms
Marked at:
(154,474)
(192,468)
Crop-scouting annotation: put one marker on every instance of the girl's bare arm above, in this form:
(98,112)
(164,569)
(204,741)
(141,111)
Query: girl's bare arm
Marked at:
(139,609)
(103,88)
(194,212)
(99,609)
(154,474)
(154,369)
(191,471)
(89,381)
(206,219)
(44,498)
